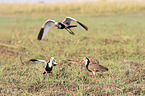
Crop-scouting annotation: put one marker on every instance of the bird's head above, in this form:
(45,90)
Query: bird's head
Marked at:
(58,24)
(86,60)
(51,59)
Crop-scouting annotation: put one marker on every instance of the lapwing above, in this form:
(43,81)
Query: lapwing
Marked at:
(60,25)
(94,66)
(48,65)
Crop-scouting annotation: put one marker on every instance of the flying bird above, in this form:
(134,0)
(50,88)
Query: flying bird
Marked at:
(48,65)
(94,66)
(60,25)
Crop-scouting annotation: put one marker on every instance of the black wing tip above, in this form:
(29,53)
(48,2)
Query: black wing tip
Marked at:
(85,27)
(106,69)
(33,60)
(39,39)
(40,34)
(44,72)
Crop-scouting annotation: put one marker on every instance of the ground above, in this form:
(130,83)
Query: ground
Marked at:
(117,41)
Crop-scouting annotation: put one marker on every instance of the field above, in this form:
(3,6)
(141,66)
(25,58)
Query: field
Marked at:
(116,40)
(74,7)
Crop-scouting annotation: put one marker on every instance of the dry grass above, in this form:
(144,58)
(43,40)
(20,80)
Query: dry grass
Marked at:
(74,8)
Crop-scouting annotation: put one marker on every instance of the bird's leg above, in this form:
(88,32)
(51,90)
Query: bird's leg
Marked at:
(45,75)
(95,77)
(94,74)
(51,73)
(70,31)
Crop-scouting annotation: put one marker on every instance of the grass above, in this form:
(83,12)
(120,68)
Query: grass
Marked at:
(98,7)
(116,40)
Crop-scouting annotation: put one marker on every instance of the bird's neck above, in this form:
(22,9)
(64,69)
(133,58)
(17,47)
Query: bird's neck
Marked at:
(87,63)
(50,63)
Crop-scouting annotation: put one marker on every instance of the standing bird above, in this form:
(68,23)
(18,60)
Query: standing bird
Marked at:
(48,65)
(94,66)
(60,25)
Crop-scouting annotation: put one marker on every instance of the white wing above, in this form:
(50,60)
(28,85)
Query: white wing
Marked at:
(38,61)
(54,63)
(69,20)
(45,28)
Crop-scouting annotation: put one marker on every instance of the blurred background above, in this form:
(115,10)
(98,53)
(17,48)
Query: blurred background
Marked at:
(71,6)
(51,1)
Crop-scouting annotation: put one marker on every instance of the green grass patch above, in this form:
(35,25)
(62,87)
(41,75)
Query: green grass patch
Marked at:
(116,40)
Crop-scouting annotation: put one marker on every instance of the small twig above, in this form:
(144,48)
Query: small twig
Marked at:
(11,46)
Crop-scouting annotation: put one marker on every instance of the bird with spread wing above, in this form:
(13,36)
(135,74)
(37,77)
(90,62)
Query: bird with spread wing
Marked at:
(48,65)
(66,24)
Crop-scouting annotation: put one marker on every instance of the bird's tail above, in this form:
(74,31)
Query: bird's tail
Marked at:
(71,26)
(105,69)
